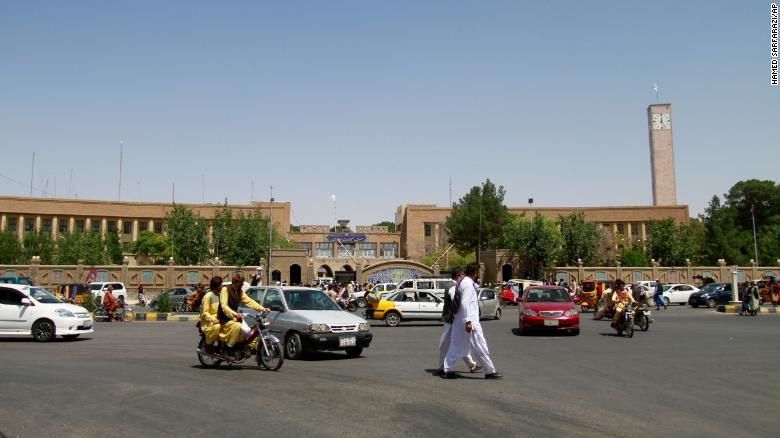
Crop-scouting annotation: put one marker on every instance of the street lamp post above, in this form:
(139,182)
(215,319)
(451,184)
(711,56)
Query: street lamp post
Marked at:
(270,233)
(755,244)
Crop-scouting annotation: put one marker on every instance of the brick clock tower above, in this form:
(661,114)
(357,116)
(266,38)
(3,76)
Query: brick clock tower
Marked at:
(659,121)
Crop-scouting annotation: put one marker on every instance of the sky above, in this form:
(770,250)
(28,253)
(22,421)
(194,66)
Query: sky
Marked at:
(382,103)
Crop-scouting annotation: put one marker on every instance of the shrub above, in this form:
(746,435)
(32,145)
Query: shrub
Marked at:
(164,302)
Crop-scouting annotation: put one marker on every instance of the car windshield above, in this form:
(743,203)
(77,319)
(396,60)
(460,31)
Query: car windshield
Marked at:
(547,296)
(306,299)
(667,287)
(43,296)
(711,287)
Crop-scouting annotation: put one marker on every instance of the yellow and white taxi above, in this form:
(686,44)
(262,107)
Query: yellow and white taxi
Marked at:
(405,305)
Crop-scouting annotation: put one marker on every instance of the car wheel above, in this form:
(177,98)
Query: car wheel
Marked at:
(666,301)
(293,347)
(155,306)
(362,302)
(711,303)
(695,306)
(498,313)
(70,337)
(181,307)
(43,330)
(392,319)
(575,332)
(520,330)
(354,352)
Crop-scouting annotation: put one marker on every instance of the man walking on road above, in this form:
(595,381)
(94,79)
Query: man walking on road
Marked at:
(448,315)
(467,333)
(658,297)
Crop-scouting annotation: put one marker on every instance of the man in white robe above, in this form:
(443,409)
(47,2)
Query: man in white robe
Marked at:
(467,333)
(444,343)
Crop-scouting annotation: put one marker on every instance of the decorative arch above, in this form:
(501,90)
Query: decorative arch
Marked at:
(394,271)
(506,272)
(295,274)
(347,268)
(324,271)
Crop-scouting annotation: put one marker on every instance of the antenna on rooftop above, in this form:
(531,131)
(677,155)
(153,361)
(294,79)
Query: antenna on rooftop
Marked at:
(121,153)
(32,174)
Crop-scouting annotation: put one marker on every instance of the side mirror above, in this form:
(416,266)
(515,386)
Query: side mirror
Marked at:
(26,302)
(277,308)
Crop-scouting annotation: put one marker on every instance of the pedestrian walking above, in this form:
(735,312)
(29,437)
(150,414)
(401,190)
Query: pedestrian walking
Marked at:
(448,315)
(467,335)
(658,297)
(774,290)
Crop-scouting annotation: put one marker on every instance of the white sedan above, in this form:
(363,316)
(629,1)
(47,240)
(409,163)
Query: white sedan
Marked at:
(29,310)
(678,293)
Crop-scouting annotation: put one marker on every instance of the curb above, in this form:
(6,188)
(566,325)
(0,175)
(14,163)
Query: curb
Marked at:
(169,317)
(729,308)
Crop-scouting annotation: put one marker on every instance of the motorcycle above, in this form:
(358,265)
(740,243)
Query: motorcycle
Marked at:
(142,299)
(626,321)
(269,354)
(121,313)
(642,318)
(349,305)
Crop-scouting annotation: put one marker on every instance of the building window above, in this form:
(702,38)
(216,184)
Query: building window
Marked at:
(307,247)
(56,275)
(346,249)
(428,230)
(46,224)
(62,225)
(29,225)
(673,276)
(158,227)
(146,277)
(637,276)
(126,246)
(12,225)
(367,249)
(95,225)
(621,229)
(600,276)
(127,227)
(143,226)
(192,277)
(324,249)
(10,273)
(79,225)
(388,250)
(111,226)
(102,276)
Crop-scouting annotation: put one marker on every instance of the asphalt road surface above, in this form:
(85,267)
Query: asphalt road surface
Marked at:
(696,373)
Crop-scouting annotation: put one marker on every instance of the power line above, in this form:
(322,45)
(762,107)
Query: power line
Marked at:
(22,183)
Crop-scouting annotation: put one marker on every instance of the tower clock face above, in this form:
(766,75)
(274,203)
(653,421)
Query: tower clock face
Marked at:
(662,121)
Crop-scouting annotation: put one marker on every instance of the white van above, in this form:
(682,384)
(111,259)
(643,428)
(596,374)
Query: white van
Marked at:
(438,286)
(99,288)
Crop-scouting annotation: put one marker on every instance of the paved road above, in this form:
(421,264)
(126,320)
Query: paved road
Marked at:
(696,372)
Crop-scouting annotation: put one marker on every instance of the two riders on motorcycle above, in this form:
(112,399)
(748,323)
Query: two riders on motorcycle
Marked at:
(621,299)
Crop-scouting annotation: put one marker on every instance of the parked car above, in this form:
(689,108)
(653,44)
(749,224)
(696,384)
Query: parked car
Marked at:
(548,308)
(406,305)
(33,311)
(305,319)
(178,297)
(16,279)
(99,288)
(678,293)
(489,304)
(649,284)
(713,294)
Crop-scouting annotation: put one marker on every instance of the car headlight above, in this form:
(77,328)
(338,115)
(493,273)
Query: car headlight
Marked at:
(319,328)
(530,312)
(571,312)
(364,327)
(65,313)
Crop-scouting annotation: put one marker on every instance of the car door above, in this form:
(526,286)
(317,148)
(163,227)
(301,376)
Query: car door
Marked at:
(272,298)
(487,303)
(430,306)
(685,292)
(408,305)
(13,315)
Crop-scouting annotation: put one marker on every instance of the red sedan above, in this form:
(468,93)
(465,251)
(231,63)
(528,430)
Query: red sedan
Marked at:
(548,308)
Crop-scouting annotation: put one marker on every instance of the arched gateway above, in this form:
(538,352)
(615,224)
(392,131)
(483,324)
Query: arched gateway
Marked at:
(395,271)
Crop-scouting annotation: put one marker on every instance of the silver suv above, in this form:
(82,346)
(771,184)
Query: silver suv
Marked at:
(306,319)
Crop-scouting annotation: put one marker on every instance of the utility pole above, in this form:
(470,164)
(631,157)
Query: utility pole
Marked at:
(32,174)
(270,232)
(121,154)
(755,243)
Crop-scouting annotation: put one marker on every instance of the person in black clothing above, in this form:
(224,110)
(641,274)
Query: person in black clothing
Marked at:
(659,295)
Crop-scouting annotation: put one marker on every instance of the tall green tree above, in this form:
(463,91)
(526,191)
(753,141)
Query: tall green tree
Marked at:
(88,247)
(188,235)
(580,239)
(151,248)
(39,244)
(671,244)
(242,239)
(478,219)
(538,240)
(114,250)
(10,248)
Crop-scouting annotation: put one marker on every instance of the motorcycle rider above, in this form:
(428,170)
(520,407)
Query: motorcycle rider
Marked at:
(109,301)
(230,298)
(141,296)
(620,299)
(209,310)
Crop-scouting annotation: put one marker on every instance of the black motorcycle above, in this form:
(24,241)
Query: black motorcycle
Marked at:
(626,321)
(269,354)
(642,318)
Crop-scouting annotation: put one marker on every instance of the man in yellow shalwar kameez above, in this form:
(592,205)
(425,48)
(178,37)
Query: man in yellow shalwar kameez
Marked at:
(230,298)
(209,313)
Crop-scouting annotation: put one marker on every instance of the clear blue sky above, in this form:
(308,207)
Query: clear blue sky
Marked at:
(381,102)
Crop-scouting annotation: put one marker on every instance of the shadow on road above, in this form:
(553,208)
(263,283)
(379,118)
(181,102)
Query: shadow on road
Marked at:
(461,375)
(541,333)
(30,339)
